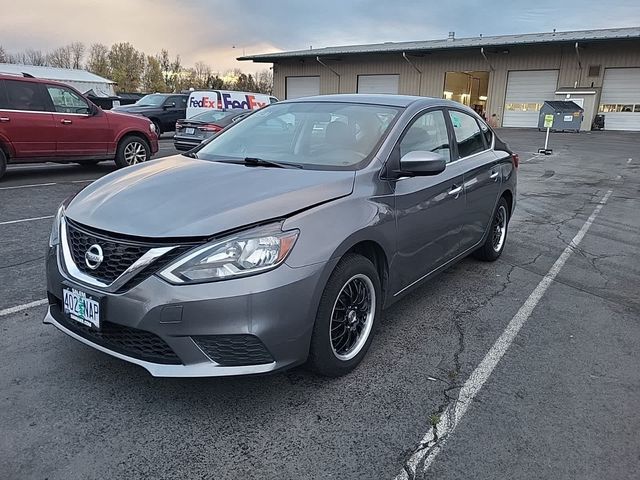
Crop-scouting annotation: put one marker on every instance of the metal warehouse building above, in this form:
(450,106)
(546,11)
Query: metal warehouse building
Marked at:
(510,75)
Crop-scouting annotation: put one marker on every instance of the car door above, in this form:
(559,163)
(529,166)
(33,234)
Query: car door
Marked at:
(82,132)
(174,109)
(429,209)
(482,175)
(25,122)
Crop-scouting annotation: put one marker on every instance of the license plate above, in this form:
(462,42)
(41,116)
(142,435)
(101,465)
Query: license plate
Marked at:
(189,131)
(81,307)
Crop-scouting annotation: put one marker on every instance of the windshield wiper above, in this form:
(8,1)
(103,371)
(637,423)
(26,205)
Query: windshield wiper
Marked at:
(269,163)
(190,154)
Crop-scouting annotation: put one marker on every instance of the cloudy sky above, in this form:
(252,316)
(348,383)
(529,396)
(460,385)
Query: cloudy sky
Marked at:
(207,30)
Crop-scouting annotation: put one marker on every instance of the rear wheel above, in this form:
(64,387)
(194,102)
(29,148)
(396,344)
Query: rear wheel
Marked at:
(3,163)
(132,150)
(343,330)
(497,236)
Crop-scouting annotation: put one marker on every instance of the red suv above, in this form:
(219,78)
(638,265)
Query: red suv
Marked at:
(42,120)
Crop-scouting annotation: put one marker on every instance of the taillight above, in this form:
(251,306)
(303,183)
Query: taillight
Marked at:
(210,128)
(515,159)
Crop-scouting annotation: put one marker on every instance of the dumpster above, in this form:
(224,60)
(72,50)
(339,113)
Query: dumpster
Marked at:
(567,116)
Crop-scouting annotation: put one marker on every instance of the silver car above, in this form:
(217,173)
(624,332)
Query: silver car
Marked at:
(281,241)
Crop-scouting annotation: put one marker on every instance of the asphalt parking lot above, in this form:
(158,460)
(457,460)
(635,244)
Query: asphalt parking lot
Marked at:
(559,401)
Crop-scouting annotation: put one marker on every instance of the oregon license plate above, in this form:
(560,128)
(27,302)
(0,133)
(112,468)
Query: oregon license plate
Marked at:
(189,131)
(81,307)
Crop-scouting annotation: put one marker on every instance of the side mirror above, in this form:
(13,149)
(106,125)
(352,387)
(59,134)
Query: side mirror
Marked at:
(421,163)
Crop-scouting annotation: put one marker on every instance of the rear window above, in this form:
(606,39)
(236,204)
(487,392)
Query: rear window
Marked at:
(467,134)
(212,116)
(25,96)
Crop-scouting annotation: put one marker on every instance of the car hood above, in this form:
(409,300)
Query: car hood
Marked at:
(117,113)
(183,197)
(133,108)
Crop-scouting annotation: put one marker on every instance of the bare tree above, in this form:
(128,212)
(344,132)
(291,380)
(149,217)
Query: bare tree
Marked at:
(60,57)
(264,81)
(201,75)
(98,61)
(76,52)
(4,56)
(30,57)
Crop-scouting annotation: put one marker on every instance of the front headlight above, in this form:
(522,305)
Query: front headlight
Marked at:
(152,127)
(235,256)
(54,237)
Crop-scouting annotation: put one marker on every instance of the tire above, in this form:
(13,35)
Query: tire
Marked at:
(158,129)
(349,308)
(3,163)
(493,246)
(132,150)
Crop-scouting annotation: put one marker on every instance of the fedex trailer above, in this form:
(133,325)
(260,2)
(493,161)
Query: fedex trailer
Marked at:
(206,100)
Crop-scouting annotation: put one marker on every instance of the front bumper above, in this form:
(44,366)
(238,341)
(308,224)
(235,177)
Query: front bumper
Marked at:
(275,311)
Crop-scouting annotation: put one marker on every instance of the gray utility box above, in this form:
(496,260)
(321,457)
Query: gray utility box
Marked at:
(567,116)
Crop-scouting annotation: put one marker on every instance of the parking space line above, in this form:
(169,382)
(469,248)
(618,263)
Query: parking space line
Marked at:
(25,306)
(435,438)
(50,184)
(531,158)
(26,220)
(629,161)
(29,186)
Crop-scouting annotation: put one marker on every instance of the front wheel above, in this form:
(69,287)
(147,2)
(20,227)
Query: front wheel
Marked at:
(131,151)
(349,306)
(497,235)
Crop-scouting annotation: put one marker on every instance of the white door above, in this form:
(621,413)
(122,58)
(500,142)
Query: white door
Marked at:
(620,99)
(297,87)
(378,84)
(526,92)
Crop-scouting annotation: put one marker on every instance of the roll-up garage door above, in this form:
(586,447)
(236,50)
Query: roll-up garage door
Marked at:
(620,99)
(526,92)
(297,87)
(378,84)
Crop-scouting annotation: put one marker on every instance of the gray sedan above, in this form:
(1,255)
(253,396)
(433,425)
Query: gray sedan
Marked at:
(280,241)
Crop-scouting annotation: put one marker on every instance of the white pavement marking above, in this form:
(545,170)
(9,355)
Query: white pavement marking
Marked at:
(28,186)
(25,306)
(26,220)
(531,158)
(31,185)
(629,161)
(435,439)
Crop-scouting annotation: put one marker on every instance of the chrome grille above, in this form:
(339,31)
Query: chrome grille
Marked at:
(118,255)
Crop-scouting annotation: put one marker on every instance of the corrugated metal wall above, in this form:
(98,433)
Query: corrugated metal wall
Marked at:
(434,66)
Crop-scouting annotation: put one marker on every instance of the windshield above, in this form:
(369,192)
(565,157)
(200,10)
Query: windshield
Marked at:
(323,135)
(212,116)
(153,100)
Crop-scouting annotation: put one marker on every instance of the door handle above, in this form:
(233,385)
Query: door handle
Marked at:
(494,175)
(5,119)
(66,122)
(455,190)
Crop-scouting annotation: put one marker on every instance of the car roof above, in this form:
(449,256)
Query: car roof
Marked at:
(373,99)
(21,78)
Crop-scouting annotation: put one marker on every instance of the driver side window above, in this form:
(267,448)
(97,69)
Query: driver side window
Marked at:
(67,101)
(427,133)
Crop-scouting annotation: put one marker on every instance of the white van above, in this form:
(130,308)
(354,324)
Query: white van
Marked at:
(206,100)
